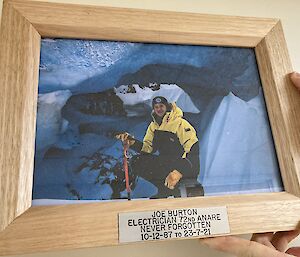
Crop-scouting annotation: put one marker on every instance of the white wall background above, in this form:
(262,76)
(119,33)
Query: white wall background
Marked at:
(287,10)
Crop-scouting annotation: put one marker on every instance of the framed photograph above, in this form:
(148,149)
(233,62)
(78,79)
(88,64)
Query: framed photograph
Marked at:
(175,119)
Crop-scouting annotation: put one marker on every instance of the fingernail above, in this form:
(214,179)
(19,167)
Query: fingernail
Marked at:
(297,74)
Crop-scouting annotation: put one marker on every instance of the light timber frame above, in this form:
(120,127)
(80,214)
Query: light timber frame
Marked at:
(28,229)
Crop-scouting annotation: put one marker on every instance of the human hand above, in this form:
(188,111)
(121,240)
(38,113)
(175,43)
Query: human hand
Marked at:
(126,137)
(260,245)
(295,78)
(172,179)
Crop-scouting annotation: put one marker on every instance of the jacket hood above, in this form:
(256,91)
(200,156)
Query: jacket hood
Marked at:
(175,113)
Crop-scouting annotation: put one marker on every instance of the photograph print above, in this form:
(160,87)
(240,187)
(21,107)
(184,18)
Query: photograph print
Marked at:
(126,121)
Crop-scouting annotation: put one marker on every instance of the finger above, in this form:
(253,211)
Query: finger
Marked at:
(166,182)
(174,183)
(170,184)
(281,239)
(241,247)
(295,77)
(263,238)
(295,251)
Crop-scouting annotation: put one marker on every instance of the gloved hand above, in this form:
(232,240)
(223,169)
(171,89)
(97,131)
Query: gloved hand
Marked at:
(172,179)
(126,137)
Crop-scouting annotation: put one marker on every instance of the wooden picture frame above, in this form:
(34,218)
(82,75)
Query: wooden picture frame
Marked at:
(27,229)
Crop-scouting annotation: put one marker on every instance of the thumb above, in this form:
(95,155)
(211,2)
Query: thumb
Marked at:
(295,78)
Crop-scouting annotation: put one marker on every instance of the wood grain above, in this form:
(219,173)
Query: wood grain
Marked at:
(19,58)
(52,228)
(136,25)
(283,104)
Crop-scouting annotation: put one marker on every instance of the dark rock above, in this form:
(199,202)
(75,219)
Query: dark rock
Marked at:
(103,103)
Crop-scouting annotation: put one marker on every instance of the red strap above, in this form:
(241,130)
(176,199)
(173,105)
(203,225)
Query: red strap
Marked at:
(126,146)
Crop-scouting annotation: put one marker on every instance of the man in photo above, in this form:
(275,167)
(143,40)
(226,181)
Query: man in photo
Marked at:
(169,151)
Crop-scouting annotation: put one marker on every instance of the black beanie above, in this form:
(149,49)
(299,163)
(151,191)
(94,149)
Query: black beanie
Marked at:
(160,100)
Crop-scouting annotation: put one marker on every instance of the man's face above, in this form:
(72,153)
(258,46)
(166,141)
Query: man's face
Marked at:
(160,109)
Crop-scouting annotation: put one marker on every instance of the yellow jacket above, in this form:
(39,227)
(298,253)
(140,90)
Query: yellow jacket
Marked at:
(172,122)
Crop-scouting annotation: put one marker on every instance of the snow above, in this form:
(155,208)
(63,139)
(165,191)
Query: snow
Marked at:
(49,202)
(171,92)
(237,151)
(236,148)
(65,63)
(50,124)
(84,66)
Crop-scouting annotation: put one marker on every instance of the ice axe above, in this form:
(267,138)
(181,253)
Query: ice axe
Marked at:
(125,164)
(125,161)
